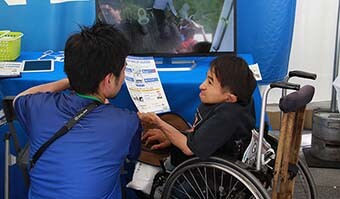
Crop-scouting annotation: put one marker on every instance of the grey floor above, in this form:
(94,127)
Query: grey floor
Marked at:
(326,180)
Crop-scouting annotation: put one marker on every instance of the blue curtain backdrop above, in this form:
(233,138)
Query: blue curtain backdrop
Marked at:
(45,25)
(265,29)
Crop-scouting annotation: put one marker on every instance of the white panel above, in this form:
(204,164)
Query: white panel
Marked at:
(15,2)
(313,45)
(64,1)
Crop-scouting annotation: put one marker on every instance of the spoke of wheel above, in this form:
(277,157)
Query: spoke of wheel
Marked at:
(179,190)
(242,190)
(230,183)
(232,189)
(206,183)
(301,188)
(196,183)
(192,187)
(214,174)
(184,190)
(208,187)
(174,197)
(221,184)
(208,190)
(302,184)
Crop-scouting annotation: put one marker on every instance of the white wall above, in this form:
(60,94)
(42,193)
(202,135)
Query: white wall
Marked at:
(313,45)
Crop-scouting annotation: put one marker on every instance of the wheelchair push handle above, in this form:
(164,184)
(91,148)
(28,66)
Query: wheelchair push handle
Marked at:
(282,85)
(302,74)
(285,85)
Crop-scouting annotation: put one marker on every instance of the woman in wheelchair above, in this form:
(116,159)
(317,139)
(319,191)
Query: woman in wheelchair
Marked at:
(221,120)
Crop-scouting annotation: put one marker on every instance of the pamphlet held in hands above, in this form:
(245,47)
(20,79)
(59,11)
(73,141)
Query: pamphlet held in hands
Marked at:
(144,85)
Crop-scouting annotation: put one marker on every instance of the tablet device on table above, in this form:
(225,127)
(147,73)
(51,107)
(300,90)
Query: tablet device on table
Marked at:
(38,65)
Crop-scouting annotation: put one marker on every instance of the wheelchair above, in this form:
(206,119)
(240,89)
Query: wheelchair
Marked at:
(274,171)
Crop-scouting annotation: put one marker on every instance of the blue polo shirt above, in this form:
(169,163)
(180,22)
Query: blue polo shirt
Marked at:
(85,163)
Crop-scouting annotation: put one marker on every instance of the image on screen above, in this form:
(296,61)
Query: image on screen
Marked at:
(173,27)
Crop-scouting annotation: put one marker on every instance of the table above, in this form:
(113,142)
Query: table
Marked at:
(180,87)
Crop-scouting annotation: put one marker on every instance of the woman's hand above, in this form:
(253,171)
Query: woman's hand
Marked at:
(156,139)
(150,118)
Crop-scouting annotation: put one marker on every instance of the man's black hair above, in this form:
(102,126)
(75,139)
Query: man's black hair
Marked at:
(234,75)
(92,54)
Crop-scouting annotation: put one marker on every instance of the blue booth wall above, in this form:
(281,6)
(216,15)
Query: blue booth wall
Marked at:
(264,28)
(45,25)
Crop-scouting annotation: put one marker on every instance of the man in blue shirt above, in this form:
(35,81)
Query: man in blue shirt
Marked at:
(86,162)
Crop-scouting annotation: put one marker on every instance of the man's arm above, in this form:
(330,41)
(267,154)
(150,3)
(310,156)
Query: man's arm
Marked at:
(175,137)
(49,87)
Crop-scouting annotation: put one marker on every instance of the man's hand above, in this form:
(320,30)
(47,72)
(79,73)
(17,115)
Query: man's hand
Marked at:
(150,118)
(156,139)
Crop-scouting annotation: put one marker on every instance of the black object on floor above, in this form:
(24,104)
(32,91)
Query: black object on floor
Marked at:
(313,161)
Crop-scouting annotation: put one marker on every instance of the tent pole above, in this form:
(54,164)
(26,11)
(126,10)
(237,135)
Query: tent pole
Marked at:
(336,61)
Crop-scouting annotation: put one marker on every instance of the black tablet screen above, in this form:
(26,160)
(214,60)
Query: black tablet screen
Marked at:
(36,65)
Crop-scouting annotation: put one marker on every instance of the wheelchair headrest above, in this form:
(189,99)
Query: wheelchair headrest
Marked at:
(293,101)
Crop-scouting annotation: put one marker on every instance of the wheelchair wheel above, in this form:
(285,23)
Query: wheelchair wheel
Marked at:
(213,178)
(304,184)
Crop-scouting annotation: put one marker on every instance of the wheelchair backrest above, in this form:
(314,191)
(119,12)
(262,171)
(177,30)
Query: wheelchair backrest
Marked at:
(7,103)
(22,154)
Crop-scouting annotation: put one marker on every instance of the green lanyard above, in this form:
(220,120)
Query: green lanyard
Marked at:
(89,97)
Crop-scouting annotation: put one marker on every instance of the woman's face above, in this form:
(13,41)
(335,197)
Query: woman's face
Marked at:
(211,90)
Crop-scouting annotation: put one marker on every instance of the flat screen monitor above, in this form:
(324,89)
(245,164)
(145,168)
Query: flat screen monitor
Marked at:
(173,27)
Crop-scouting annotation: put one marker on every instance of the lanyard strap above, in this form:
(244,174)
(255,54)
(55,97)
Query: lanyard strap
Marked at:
(63,130)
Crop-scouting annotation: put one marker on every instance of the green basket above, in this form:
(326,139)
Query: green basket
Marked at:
(10,45)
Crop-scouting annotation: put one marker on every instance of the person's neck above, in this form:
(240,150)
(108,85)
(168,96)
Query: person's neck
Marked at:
(100,97)
(96,97)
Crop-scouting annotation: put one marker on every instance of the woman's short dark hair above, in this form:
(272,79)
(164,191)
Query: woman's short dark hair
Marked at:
(234,75)
(92,54)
